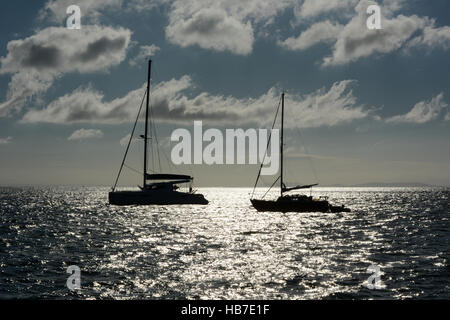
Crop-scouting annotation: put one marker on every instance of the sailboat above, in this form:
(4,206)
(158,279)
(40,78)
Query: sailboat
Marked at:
(157,188)
(292,202)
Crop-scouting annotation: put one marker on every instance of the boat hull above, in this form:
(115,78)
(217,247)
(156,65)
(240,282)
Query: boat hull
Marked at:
(296,206)
(129,198)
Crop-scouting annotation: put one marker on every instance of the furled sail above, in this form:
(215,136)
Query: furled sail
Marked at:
(284,189)
(168,177)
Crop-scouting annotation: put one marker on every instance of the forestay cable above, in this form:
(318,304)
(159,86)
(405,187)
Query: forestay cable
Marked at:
(129,142)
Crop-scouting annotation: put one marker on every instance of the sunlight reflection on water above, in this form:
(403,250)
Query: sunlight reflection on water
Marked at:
(225,250)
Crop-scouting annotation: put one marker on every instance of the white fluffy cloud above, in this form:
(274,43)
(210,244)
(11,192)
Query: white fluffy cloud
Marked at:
(317,33)
(231,25)
(354,40)
(357,41)
(212,29)
(6,140)
(221,25)
(86,105)
(35,62)
(171,103)
(310,9)
(433,37)
(330,107)
(22,87)
(83,134)
(423,111)
(256,10)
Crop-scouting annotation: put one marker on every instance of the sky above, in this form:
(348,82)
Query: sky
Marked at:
(362,105)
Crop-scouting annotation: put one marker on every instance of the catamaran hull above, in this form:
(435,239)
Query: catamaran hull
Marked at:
(129,198)
(310,206)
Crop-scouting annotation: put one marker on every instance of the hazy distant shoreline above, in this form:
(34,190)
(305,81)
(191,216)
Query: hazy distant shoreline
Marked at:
(364,185)
(389,185)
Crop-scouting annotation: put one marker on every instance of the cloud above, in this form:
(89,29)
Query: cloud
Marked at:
(6,140)
(212,29)
(330,107)
(35,62)
(432,37)
(83,134)
(357,41)
(422,112)
(221,25)
(144,53)
(311,9)
(59,50)
(124,141)
(319,32)
(259,11)
(172,103)
(354,40)
(22,87)
(86,105)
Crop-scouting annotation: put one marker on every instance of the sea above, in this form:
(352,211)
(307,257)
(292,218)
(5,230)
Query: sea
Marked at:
(394,244)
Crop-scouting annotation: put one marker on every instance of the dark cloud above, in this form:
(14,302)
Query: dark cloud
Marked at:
(81,115)
(35,62)
(102,46)
(42,57)
(178,112)
(378,37)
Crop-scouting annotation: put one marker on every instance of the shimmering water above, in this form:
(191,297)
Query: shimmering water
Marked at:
(225,250)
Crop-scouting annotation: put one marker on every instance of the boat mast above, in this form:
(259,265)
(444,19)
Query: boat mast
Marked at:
(281,144)
(146,123)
